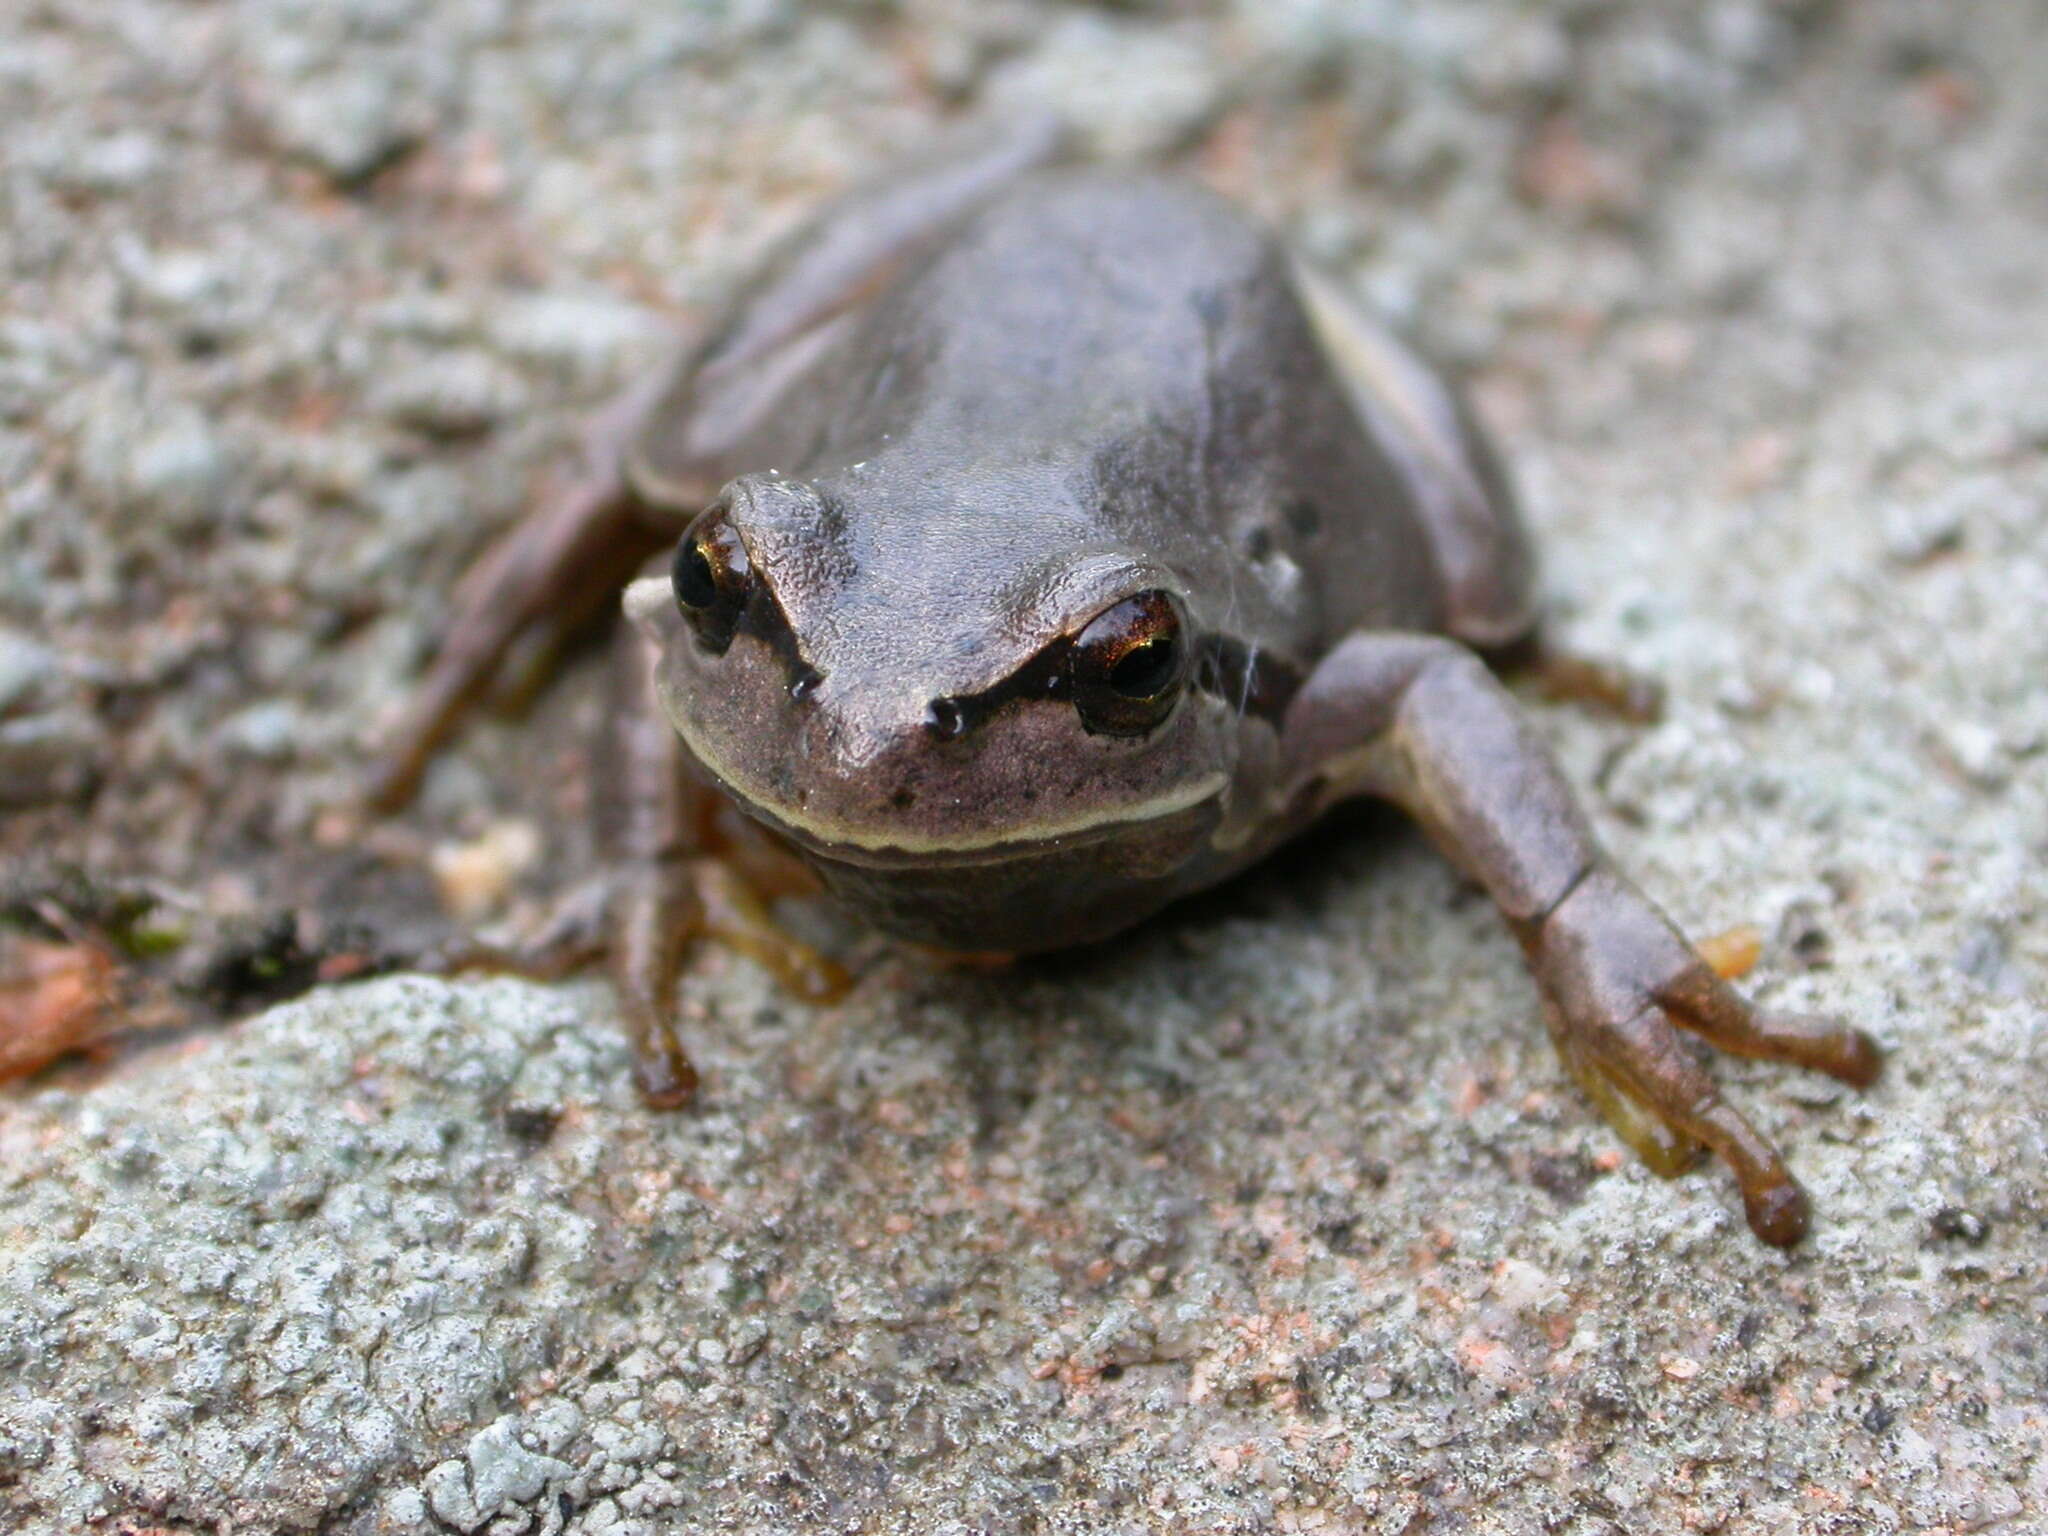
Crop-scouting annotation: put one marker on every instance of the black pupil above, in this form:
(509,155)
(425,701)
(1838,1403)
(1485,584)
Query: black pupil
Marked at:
(1145,669)
(696,583)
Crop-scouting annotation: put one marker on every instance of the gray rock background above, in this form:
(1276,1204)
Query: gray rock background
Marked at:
(1277,1215)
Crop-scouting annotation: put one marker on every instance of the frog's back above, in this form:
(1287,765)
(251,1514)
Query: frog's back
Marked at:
(1114,360)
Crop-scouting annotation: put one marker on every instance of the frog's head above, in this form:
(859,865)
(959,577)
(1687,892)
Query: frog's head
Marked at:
(986,746)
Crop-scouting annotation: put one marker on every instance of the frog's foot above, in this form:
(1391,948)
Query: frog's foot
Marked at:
(1421,721)
(571,938)
(661,909)
(648,921)
(1620,985)
(735,914)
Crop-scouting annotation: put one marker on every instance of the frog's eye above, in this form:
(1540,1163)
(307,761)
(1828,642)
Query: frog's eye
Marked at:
(712,578)
(1129,665)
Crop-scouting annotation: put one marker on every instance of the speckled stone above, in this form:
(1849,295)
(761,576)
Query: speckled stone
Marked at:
(1276,1215)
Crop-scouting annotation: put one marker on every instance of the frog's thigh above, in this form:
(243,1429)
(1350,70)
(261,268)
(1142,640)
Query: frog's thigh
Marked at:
(1461,496)
(788,311)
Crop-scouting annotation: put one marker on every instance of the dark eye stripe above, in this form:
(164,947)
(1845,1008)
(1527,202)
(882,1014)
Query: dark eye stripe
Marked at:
(1251,680)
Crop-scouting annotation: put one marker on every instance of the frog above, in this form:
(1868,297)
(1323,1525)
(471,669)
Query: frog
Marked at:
(1028,544)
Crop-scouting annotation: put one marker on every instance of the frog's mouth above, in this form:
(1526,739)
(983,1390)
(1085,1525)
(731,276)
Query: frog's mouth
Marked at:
(1199,801)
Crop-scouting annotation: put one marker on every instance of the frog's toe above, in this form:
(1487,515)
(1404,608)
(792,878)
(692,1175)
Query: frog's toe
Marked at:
(1733,953)
(1657,1095)
(1597,685)
(1664,1149)
(1773,1202)
(655,913)
(1823,1043)
(736,914)
(661,910)
(1705,1004)
(662,1070)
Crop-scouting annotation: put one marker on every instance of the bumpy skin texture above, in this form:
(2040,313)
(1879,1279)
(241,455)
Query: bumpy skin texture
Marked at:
(953,436)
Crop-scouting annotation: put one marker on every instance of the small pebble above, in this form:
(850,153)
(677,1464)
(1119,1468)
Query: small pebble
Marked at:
(115,163)
(348,122)
(50,759)
(1952,1223)
(474,878)
(1975,750)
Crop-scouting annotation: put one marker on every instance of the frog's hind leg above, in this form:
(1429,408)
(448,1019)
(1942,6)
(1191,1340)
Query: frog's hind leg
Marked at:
(553,571)
(1461,495)
(1466,508)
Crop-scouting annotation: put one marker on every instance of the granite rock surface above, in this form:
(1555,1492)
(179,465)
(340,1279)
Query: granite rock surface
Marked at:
(1276,1215)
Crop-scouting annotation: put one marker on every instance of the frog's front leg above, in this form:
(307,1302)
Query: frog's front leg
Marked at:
(669,886)
(1420,721)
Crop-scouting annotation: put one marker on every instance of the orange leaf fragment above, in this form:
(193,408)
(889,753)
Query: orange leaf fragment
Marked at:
(54,999)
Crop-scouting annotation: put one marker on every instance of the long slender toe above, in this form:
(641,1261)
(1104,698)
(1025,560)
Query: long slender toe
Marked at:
(1771,1198)
(1838,1049)
(1777,1213)
(1645,1069)
(661,1070)
(1705,1004)
(737,916)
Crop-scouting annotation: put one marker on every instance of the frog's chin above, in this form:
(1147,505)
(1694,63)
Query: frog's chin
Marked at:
(1195,805)
(1019,895)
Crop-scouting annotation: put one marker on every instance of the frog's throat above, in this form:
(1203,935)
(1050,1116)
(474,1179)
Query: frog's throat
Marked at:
(827,835)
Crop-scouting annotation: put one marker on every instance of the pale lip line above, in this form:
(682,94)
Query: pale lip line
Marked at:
(835,840)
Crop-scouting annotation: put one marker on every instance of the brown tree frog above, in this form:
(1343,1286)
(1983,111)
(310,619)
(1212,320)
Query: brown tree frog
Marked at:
(1048,543)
